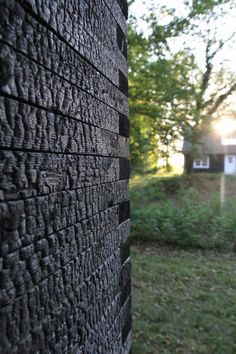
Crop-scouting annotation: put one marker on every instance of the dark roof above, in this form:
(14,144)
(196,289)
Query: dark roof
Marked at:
(212,144)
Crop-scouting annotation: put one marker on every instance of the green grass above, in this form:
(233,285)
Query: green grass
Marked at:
(184,211)
(184,282)
(183,302)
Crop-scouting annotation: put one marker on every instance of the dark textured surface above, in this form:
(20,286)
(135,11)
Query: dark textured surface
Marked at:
(64,203)
(216,164)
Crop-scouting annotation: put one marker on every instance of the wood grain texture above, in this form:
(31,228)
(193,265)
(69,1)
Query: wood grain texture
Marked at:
(64,200)
(90,31)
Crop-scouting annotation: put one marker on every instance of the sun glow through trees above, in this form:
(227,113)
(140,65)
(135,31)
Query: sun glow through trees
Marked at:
(225,126)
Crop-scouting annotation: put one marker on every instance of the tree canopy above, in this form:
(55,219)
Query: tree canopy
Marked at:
(171,95)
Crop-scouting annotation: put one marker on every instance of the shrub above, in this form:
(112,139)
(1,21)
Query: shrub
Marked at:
(143,194)
(154,189)
(186,221)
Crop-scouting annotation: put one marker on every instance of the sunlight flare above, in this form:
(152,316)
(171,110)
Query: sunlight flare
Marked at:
(225,126)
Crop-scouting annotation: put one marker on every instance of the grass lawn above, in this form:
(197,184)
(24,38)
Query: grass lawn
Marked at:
(183,301)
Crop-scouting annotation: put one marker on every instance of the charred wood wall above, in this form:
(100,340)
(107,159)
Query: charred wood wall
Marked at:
(64,202)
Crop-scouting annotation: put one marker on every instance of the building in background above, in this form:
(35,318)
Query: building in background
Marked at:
(216,154)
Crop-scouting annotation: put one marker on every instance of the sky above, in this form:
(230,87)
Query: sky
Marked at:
(226,26)
(227,56)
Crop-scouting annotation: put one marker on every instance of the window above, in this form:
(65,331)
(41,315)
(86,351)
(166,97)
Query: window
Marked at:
(230,159)
(203,162)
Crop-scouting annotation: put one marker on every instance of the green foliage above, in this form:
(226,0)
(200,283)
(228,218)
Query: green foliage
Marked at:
(170,97)
(160,96)
(183,302)
(152,189)
(168,211)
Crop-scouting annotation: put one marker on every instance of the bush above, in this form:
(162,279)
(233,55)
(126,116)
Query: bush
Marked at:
(153,189)
(147,193)
(174,184)
(185,221)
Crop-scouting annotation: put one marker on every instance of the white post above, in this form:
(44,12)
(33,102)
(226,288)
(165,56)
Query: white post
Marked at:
(222,189)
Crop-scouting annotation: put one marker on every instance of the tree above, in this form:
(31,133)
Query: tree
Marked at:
(169,95)
(215,84)
(157,88)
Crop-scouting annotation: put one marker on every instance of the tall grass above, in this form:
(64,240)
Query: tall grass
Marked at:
(170,211)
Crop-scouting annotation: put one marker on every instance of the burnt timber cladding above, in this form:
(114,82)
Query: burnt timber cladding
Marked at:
(64,203)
